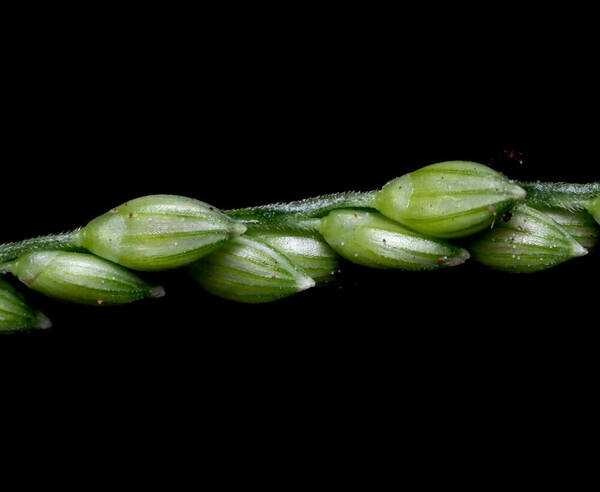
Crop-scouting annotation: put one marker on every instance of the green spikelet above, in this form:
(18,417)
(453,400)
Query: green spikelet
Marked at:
(159,232)
(580,224)
(449,199)
(15,315)
(529,241)
(247,270)
(80,278)
(369,239)
(304,249)
(595,209)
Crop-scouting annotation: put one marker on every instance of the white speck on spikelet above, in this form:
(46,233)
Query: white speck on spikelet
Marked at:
(42,322)
(158,291)
(579,250)
(304,283)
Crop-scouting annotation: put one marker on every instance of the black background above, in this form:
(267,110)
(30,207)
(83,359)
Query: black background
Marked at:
(242,116)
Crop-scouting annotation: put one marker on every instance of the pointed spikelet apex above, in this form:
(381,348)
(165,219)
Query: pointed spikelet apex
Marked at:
(529,241)
(250,271)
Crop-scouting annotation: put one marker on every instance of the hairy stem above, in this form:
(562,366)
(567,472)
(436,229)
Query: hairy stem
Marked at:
(69,241)
(299,215)
(569,196)
(303,215)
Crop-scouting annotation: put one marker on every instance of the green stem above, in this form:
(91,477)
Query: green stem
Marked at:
(303,215)
(70,241)
(300,215)
(569,196)
(294,216)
